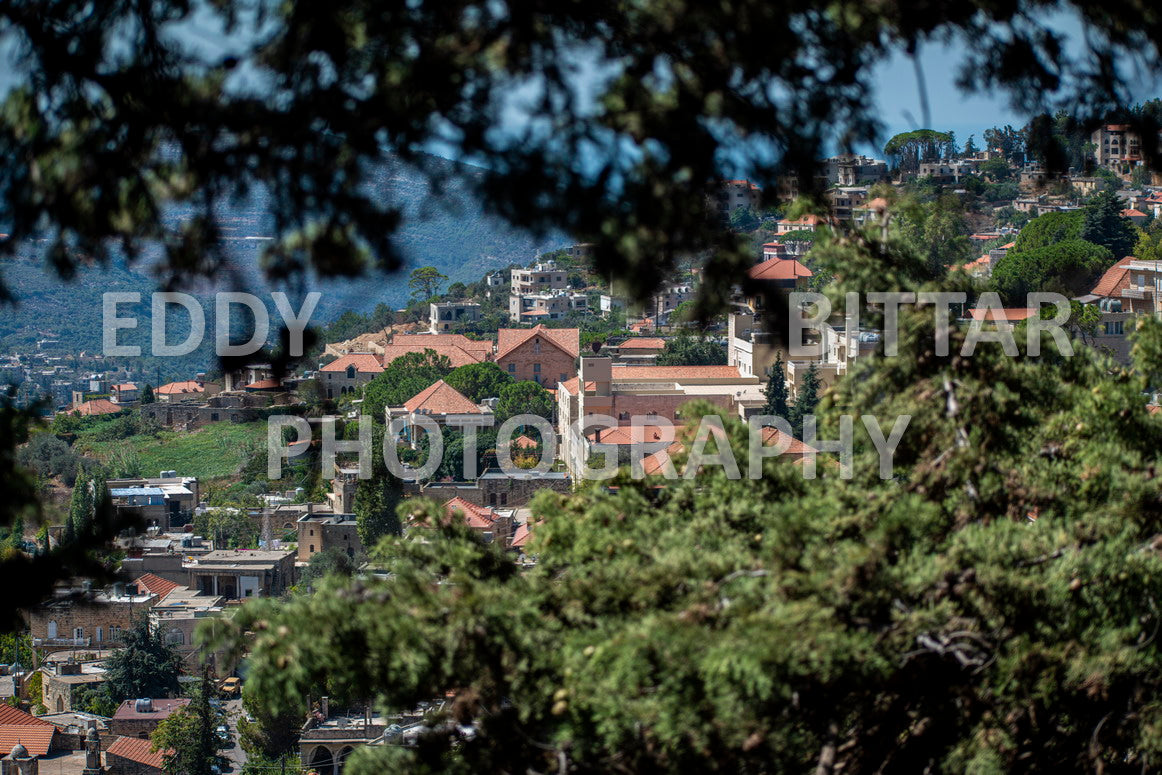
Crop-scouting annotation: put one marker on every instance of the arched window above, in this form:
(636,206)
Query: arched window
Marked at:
(350,372)
(51,630)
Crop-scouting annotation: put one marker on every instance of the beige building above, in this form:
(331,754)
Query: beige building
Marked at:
(235,574)
(319,532)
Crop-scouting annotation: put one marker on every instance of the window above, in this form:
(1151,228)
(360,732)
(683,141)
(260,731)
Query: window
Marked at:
(350,372)
(213,417)
(512,368)
(329,395)
(312,548)
(78,633)
(114,633)
(537,346)
(99,635)
(536,368)
(175,637)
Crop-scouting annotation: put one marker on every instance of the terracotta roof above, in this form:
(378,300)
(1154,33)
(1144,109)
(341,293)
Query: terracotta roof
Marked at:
(773,436)
(156,584)
(125,386)
(10,716)
(474,516)
(364,363)
(177,388)
(1133,213)
(264,384)
(16,726)
(567,340)
(643,343)
(1009,246)
(661,373)
(96,407)
(457,356)
(1011,314)
(652,464)
(779,269)
(37,740)
(1153,408)
(521,536)
(524,442)
(1112,278)
(440,398)
(420,342)
(628,434)
(137,750)
(806,220)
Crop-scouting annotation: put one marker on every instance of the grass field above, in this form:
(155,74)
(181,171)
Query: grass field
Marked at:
(217,451)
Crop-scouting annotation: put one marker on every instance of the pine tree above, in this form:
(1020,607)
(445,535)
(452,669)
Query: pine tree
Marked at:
(188,738)
(776,391)
(146,666)
(806,399)
(147,394)
(1104,224)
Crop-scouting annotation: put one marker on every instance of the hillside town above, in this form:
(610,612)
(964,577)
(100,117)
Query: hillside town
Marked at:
(104,675)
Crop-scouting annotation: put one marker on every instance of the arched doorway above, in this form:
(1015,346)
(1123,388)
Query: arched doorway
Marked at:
(322,761)
(343,757)
(60,704)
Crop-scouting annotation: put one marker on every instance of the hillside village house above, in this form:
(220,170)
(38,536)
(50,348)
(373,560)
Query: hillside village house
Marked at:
(443,404)
(124,393)
(544,355)
(165,502)
(625,392)
(89,618)
(237,574)
(545,305)
(348,373)
(543,276)
(320,532)
(445,316)
(733,194)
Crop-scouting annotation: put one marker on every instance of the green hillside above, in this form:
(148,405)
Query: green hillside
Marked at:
(218,451)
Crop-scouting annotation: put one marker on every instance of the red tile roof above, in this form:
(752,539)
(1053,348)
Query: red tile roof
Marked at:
(420,342)
(568,340)
(642,434)
(1113,277)
(524,442)
(125,386)
(1133,213)
(440,398)
(1010,314)
(156,584)
(773,436)
(10,716)
(457,356)
(16,726)
(264,384)
(36,739)
(779,269)
(643,343)
(178,388)
(521,536)
(364,363)
(137,750)
(97,406)
(474,516)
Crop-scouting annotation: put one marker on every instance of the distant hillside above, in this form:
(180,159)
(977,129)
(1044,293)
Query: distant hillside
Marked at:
(450,232)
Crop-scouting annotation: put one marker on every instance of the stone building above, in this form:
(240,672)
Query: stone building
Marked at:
(544,355)
(87,618)
(138,718)
(236,575)
(319,532)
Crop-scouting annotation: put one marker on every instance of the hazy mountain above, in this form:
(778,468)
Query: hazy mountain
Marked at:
(449,231)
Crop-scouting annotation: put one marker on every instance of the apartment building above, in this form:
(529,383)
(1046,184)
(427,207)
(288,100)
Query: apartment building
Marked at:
(545,305)
(448,315)
(543,276)
(1116,147)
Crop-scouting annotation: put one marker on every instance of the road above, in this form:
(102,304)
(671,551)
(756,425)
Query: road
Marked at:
(234,754)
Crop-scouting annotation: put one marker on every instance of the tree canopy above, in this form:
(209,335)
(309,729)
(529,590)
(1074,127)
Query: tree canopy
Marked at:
(145,665)
(1105,225)
(401,379)
(687,350)
(1070,267)
(955,617)
(907,149)
(478,381)
(1049,229)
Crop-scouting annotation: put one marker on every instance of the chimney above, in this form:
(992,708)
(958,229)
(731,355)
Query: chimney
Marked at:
(325,707)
